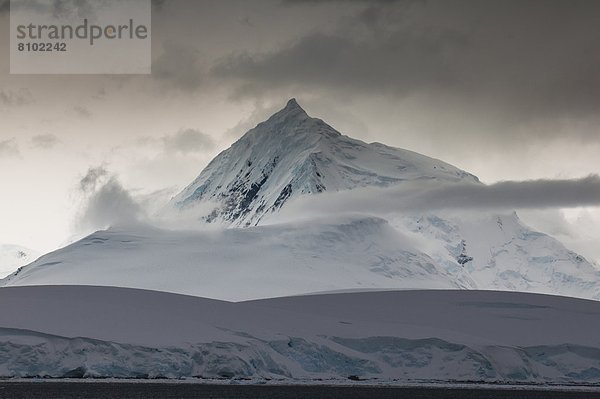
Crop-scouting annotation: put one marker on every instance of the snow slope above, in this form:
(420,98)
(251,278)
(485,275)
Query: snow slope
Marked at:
(392,336)
(14,256)
(292,154)
(331,254)
(240,264)
(500,252)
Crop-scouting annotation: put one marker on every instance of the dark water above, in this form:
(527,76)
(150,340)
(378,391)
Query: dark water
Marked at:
(68,390)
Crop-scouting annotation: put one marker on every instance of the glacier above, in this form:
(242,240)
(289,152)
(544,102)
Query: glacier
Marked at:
(393,336)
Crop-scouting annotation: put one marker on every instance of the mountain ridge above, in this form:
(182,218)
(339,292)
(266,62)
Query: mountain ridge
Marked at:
(14,256)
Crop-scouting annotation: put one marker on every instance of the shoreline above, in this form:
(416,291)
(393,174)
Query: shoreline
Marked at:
(316,383)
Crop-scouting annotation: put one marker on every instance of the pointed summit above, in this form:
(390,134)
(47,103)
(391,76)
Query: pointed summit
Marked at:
(292,108)
(292,103)
(292,154)
(290,120)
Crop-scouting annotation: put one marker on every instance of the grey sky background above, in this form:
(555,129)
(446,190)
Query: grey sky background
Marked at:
(508,90)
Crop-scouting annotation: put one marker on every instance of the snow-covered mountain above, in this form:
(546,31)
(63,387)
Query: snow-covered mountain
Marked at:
(244,248)
(14,256)
(253,254)
(292,154)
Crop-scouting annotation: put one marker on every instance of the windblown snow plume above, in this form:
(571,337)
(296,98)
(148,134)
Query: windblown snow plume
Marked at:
(105,202)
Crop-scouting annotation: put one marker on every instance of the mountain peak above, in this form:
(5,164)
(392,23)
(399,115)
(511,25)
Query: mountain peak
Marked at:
(290,116)
(292,154)
(292,108)
(292,104)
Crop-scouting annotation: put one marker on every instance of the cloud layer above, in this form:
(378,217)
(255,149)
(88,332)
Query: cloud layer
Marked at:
(430,197)
(534,57)
(508,75)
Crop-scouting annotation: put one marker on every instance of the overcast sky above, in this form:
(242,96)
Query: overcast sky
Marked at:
(507,90)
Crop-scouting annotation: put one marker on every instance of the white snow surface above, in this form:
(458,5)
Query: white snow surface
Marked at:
(501,253)
(391,336)
(241,264)
(337,254)
(14,256)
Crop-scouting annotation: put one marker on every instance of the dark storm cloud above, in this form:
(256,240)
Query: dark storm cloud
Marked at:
(295,2)
(179,67)
(324,60)
(533,58)
(61,8)
(65,8)
(423,197)
(158,4)
(188,141)
(57,8)
(538,194)
(45,141)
